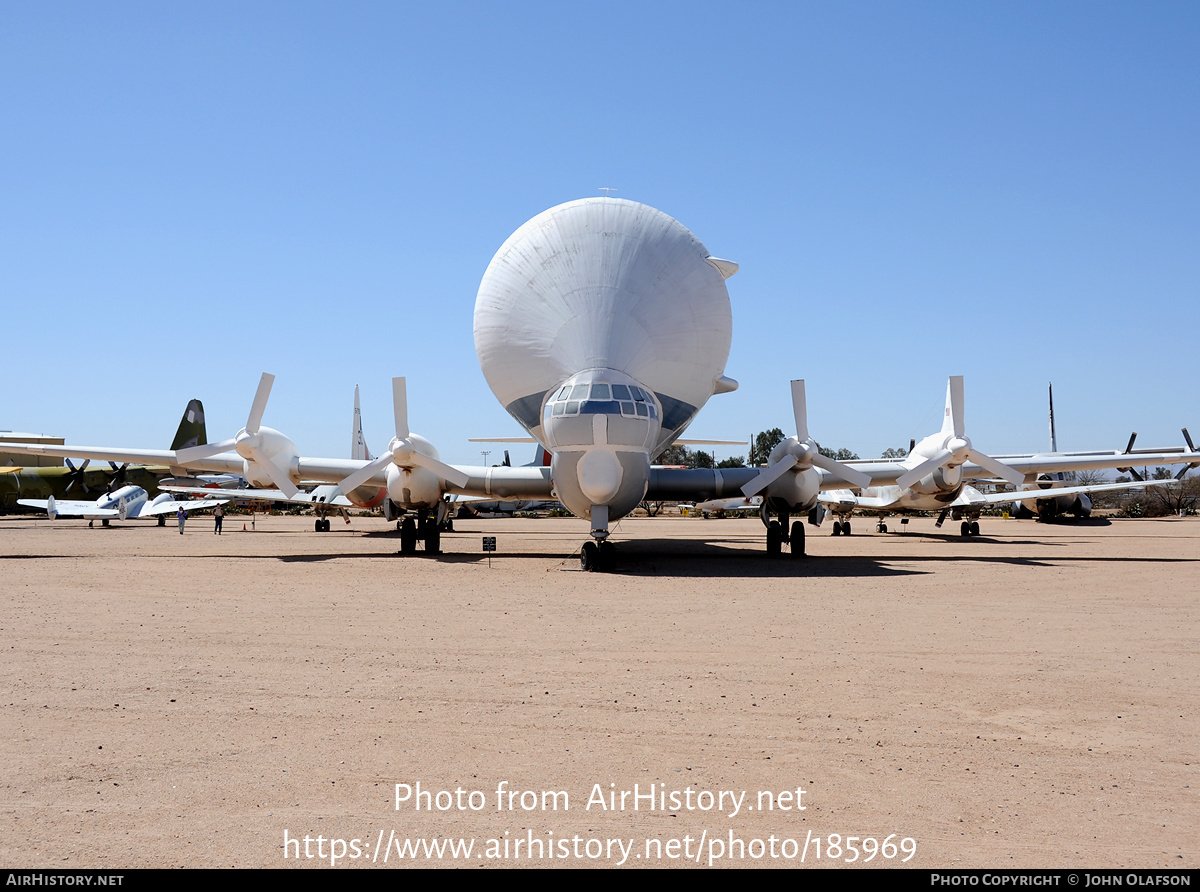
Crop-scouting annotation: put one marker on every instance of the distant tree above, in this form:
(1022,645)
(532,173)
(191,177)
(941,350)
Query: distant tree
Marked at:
(899,452)
(1181,496)
(763,444)
(673,455)
(734,461)
(837,454)
(699,459)
(1162,474)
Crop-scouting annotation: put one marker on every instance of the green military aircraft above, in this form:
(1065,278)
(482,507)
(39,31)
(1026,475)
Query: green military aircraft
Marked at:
(71,482)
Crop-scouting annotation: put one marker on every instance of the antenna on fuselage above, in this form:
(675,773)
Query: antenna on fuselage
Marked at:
(1053,438)
(607,190)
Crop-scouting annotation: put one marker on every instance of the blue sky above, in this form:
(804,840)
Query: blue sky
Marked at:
(193,194)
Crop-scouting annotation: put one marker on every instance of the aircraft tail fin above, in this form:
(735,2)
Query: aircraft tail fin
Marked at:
(191,427)
(540,460)
(358,443)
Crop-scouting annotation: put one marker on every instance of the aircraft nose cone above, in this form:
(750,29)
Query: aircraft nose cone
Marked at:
(599,476)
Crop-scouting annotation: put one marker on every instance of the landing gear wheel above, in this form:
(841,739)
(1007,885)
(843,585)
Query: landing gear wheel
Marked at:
(433,539)
(837,528)
(408,536)
(797,539)
(162,521)
(883,528)
(774,538)
(589,557)
(965,529)
(846,528)
(607,556)
(974,528)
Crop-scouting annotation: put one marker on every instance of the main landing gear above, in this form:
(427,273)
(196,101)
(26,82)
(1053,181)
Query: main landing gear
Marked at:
(779,532)
(424,528)
(842,528)
(969,528)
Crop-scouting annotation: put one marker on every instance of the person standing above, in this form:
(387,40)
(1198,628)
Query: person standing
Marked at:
(218,516)
(181,516)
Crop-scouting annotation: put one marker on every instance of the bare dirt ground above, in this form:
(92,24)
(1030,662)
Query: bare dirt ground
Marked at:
(1023,699)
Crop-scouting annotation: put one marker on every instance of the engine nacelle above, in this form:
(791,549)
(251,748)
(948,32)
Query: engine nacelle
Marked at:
(274,447)
(412,486)
(795,491)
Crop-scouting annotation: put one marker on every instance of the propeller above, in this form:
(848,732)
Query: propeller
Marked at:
(802,452)
(1131,471)
(956,448)
(402,451)
(248,442)
(1187,438)
(117,477)
(76,475)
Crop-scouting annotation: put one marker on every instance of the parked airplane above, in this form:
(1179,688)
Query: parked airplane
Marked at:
(1049,500)
(935,480)
(71,481)
(126,503)
(602,326)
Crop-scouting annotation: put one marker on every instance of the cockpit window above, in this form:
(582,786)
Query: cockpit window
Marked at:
(579,392)
(621,392)
(600,391)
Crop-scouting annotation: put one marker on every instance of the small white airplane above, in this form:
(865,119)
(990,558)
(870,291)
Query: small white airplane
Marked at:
(602,326)
(737,503)
(934,479)
(126,503)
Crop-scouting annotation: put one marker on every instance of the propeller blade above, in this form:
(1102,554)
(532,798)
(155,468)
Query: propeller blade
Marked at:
(800,410)
(400,406)
(957,406)
(278,476)
(1129,447)
(996,467)
(847,473)
(769,475)
(1187,438)
(365,473)
(908,478)
(260,403)
(443,470)
(195,453)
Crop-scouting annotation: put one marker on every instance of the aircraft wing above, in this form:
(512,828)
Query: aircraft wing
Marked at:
(262,495)
(69,509)
(844,499)
(173,506)
(886,472)
(972,496)
(226,462)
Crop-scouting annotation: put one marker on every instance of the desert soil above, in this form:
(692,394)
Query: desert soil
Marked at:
(1026,698)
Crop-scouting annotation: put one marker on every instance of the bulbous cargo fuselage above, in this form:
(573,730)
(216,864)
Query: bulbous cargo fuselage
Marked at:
(602,326)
